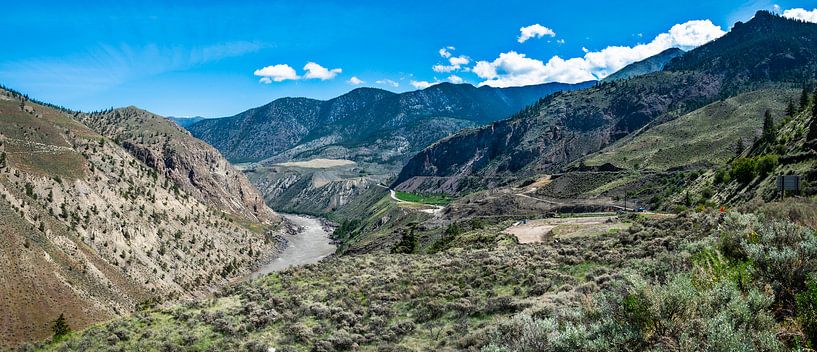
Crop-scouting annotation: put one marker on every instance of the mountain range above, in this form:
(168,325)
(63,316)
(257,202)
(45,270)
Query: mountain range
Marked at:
(562,128)
(366,124)
(120,214)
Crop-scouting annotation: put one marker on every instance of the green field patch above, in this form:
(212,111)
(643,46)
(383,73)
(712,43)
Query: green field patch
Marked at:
(431,199)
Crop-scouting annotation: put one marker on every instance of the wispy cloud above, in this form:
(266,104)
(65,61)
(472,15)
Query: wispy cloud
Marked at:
(455,63)
(110,65)
(387,82)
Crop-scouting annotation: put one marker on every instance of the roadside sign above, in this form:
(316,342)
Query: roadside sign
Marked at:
(788,183)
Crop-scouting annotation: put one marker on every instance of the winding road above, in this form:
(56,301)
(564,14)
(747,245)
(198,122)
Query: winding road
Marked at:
(428,208)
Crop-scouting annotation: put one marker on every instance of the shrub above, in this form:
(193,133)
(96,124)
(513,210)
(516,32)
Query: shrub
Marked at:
(674,316)
(807,310)
(783,254)
(766,164)
(743,170)
(722,176)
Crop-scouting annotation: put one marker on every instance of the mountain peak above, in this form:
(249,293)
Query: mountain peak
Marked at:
(766,48)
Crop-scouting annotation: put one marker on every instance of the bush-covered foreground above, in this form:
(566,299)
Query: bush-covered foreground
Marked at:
(696,282)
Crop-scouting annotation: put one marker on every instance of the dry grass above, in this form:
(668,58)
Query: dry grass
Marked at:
(541,229)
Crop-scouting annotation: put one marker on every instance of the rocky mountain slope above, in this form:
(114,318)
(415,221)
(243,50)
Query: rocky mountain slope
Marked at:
(311,188)
(566,126)
(364,125)
(91,232)
(197,168)
(649,65)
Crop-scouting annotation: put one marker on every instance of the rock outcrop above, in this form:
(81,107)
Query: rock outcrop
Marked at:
(194,166)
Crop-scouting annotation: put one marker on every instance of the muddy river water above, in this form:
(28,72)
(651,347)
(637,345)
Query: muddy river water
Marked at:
(308,246)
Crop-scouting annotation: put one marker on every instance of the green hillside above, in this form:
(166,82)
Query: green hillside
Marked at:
(705,137)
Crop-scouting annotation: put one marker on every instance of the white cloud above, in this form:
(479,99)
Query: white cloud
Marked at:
(387,82)
(445,53)
(534,31)
(421,84)
(277,73)
(315,71)
(459,60)
(455,79)
(560,41)
(455,63)
(801,14)
(356,81)
(515,69)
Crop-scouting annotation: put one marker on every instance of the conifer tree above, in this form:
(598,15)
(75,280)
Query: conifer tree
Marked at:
(814,105)
(790,109)
(60,327)
(768,127)
(804,99)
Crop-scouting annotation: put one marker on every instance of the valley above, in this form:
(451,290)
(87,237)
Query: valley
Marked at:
(642,211)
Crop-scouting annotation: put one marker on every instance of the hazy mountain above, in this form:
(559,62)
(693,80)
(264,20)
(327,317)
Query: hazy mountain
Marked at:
(366,124)
(569,125)
(651,64)
(185,121)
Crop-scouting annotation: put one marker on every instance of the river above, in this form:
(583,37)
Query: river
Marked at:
(308,246)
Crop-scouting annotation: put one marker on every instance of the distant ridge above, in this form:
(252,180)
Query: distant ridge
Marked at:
(185,121)
(649,65)
(366,124)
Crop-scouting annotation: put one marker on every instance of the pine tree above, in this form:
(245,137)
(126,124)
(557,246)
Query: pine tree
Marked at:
(804,99)
(60,327)
(768,127)
(790,109)
(814,106)
(739,147)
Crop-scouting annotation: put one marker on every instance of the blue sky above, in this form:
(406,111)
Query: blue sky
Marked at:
(208,58)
